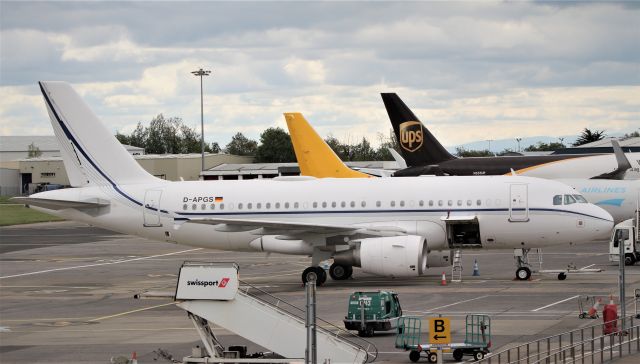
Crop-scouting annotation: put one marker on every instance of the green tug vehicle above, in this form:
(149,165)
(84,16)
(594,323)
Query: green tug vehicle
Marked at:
(373,311)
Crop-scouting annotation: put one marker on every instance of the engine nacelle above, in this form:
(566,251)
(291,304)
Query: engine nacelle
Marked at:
(397,256)
(272,244)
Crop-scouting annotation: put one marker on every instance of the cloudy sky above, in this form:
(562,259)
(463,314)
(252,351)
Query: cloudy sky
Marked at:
(470,70)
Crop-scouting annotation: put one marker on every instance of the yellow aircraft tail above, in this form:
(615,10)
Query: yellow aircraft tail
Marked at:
(314,155)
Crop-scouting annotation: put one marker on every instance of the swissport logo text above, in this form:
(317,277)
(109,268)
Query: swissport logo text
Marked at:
(220,284)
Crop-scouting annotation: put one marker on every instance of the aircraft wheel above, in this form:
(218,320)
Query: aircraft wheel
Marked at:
(523,273)
(562,276)
(629,260)
(309,274)
(432,357)
(457,354)
(339,272)
(414,356)
(322,276)
(478,355)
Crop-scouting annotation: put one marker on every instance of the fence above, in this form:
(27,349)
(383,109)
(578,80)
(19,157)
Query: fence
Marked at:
(586,345)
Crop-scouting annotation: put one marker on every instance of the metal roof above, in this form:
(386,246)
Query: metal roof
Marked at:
(606,142)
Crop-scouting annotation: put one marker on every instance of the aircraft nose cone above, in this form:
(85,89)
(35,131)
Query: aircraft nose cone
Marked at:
(603,222)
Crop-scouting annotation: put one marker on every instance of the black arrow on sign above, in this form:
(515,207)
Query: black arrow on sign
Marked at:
(437,337)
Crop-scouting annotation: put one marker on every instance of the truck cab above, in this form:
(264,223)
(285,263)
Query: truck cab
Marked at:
(372,311)
(625,234)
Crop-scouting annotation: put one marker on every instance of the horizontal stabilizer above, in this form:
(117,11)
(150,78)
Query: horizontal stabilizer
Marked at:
(52,204)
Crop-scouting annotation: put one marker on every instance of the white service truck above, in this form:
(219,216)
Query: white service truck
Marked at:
(626,234)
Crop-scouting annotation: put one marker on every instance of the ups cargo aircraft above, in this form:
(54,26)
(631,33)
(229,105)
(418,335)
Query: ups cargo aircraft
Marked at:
(424,155)
(387,226)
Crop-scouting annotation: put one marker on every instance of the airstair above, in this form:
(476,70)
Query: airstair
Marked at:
(212,293)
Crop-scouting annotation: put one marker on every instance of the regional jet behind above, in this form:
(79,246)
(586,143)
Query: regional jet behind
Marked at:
(425,155)
(393,227)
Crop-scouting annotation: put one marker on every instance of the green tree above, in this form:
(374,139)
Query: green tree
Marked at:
(543,147)
(341,150)
(275,147)
(241,145)
(33,151)
(215,148)
(123,139)
(588,136)
(633,134)
(362,151)
(461,152)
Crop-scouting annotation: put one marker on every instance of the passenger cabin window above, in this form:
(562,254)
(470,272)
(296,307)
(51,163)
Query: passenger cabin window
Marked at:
(393,204)
(184,207)
(568,200)
(343,204)
(240,206)
(213,206)
(315,205)
(249,205)
(439,202)
(363,204)
(430,202)
(557,200)
(295,205)
(259,205)
(277,205)
(203,207)
(378,203)
(402,203)
(286,205)
(268,205)
(353,204)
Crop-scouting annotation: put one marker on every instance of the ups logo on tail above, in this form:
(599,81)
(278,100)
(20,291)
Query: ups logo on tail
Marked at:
(411,135)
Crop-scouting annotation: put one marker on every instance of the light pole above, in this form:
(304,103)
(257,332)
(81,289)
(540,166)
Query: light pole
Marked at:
(201,73)
(518,140)
(490,140)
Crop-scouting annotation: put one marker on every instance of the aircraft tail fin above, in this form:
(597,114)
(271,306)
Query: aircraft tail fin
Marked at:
(418,146)
(91,154)
(314,155)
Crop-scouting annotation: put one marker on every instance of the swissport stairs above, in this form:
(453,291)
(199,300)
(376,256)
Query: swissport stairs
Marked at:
(279,326)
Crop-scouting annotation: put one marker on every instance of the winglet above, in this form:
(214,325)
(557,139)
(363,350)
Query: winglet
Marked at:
(621,159)
(314,155)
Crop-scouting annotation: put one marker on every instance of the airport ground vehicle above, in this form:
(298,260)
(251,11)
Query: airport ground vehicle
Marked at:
(476,343)
(372,311)
(625,233)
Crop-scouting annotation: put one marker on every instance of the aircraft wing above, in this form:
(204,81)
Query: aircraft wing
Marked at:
(52,204)
(266,227)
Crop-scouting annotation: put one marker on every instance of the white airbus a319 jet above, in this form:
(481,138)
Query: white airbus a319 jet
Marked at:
(387,226)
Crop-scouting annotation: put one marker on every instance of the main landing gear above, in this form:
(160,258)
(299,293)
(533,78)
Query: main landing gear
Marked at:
(338,272)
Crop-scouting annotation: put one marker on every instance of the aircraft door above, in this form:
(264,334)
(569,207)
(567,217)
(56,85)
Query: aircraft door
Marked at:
(151,210)
(518,205)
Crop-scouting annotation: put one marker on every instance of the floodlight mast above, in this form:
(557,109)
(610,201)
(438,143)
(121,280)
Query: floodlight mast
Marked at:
(201,73)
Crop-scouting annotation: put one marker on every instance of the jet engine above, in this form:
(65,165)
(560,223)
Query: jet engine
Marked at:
(397,256)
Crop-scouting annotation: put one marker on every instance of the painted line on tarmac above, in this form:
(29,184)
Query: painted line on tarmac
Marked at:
(130,312)
(459,302)
(555,303)
(98,264)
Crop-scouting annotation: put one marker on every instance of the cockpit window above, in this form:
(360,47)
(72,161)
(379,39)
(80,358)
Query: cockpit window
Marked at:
(568,200)
(557,200)
(580,199)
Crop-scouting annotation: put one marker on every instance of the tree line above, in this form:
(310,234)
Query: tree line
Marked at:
(172,136)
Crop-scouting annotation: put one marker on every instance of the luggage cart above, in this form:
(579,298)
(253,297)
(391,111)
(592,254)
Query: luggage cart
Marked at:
(476,343)
(584,304)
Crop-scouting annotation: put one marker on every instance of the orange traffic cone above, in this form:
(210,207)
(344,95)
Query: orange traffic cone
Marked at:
(134,358)
(594,310)
(444,280)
